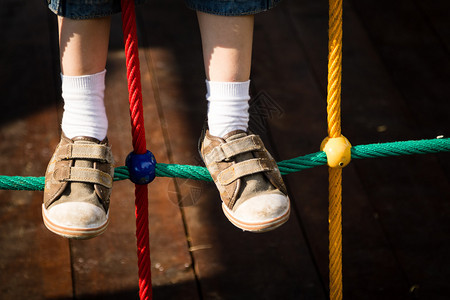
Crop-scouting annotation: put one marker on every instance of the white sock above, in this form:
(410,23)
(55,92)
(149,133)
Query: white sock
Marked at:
(84,110)
(227,106)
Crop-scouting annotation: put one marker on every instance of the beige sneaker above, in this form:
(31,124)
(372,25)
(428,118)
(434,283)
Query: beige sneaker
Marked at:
(249,182)
(78,184)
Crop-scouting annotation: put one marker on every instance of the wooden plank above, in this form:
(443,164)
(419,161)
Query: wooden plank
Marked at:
(414,208)
(415,58)
(400,193)
(416,54)
(297,90)
(106,267)
(33,263)
(398,248)
(230,264)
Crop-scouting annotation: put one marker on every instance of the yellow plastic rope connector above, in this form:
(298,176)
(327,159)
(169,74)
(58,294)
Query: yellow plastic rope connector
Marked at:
(334,132)
(338,150)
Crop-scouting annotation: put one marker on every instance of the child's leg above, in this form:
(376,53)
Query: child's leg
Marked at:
(78,180)
(83,45)
(227,46)
(253,193)
(83,51)
(227,52)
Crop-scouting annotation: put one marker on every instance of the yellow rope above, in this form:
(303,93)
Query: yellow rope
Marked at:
(335,232)
(334,131)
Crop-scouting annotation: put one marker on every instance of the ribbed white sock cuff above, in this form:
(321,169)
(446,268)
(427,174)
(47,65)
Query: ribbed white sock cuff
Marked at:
(227,106)
(93,82)
(84,109)
(217,90)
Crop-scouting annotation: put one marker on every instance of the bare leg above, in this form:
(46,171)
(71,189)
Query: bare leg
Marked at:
(83,45)
(255,203)
(83,52)
(77,209)
(227,46)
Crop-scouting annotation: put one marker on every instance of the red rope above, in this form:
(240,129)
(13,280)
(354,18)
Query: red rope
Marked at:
(139,145)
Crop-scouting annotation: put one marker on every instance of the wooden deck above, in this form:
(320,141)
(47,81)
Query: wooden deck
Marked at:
(396,229)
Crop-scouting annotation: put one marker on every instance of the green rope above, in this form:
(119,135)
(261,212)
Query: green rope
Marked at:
(286,166)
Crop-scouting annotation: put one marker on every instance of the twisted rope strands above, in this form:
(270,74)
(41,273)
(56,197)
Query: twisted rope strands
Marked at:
(143,242)
(133,77)
(401,148)
(334,131)
(335,232)
(334,68)
(183,171)
(139,145)
(18,183)
(286,166)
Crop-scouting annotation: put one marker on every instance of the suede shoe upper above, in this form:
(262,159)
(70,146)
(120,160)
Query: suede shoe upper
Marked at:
(80,170)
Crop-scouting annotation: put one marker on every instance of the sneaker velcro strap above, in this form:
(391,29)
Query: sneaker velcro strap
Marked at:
(244,168)
(79,174)
(86,151)
(232,148)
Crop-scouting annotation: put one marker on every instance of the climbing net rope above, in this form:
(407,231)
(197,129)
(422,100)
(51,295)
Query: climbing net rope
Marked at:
(342,147)
(379,150)
(334,132)
(139,145)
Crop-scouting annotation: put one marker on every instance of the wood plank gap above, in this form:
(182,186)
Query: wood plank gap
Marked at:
(72,270)
(322,89)
(295,209)
(383,228)
(322,85)
(160,112)
(409,116)
(402,102)
(155,85)
(319,66)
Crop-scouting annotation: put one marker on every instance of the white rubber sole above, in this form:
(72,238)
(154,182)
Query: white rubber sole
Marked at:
(264,226)
(73,232)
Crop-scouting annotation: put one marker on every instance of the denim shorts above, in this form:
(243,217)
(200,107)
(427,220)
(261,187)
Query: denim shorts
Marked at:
(231,7)
(88,9)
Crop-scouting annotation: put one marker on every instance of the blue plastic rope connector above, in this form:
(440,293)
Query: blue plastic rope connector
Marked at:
(141,167)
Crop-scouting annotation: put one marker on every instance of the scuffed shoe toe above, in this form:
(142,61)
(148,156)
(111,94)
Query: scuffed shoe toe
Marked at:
(261,213)
(76,219)
(262,208)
